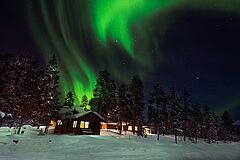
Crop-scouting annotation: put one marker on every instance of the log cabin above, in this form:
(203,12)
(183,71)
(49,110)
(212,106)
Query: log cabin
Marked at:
(85,122)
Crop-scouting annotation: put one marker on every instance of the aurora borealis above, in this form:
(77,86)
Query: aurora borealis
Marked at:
(68,24)
(113,18)
(106,18)
(163,41)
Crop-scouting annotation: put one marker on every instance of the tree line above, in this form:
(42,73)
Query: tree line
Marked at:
(168,114)
(31,94)
(27,91)
(182,116)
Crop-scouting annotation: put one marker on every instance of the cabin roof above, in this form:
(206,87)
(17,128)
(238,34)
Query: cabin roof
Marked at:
(78,115)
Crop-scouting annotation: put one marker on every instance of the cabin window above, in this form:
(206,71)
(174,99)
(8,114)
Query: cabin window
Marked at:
(130,128)
(59,122)
(84,124)
(136,128)
(74,124)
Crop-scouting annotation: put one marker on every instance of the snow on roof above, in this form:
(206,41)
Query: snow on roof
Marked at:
(236,123)
(82,114)
(2,114)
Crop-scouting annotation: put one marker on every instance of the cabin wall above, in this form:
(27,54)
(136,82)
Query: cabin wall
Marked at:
(67,125)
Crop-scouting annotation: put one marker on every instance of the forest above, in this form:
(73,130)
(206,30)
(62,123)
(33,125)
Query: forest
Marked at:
(30,94)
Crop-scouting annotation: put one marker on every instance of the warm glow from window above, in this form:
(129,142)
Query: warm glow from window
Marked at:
(129,128)
(74,124)
(136,128)
(84,124)
(59,122)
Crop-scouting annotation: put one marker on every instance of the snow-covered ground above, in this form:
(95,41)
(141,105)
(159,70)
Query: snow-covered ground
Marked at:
(108,146)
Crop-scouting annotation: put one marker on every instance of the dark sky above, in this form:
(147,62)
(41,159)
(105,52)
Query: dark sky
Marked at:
(201,52)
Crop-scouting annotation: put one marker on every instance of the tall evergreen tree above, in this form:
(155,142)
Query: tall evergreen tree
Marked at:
(20,85)
(186,104)
(50,90)
(157,109)
(69,100)
(124,105)
(104,95)
(195,121)
(53,82)
(226,126)
(209,122)
(84,102)
(176,114)
(136,89)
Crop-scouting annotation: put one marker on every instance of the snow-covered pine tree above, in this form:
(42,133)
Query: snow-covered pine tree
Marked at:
(152,114)
(51,82)
(209,125)
(205,124)
(20,87)
(104,95)
(9,77)
(226,126)
(4,66)
(137,96)
(213,129)
(186,101)
(176,114)
(195,121)
(84,102)
(124,103)
(53,75)
(158,115)
(27,88)
(69,100)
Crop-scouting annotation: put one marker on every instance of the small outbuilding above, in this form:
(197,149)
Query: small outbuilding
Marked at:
(85,122)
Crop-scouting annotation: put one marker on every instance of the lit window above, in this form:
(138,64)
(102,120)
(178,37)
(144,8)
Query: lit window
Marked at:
(84,124)
(129,128)
(136,128)
(59,122)
(74,124)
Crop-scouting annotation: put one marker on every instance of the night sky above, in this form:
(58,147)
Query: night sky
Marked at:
(175,43)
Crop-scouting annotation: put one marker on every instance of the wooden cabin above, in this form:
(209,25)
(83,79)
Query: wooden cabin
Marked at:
(116,126)
(87,122)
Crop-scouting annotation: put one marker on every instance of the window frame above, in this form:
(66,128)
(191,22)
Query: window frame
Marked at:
(75,124)
(84,124)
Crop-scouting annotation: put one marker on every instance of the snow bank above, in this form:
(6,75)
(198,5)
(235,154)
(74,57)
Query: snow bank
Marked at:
(110,146)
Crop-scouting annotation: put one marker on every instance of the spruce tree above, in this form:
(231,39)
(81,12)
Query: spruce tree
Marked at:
(53,77)
(195,121)
(84,102)
(124,104)
(20,87)
(104,95)
(69,100)
(51,90)
(186,104)
(158,114)
(209,125)
(137,96)
(226,126)
(176,114)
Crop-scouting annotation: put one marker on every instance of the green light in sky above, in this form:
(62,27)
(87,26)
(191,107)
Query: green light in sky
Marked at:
(65,27)
(113,18)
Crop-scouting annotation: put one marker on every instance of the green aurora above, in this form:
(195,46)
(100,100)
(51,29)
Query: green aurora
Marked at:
(85,35)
